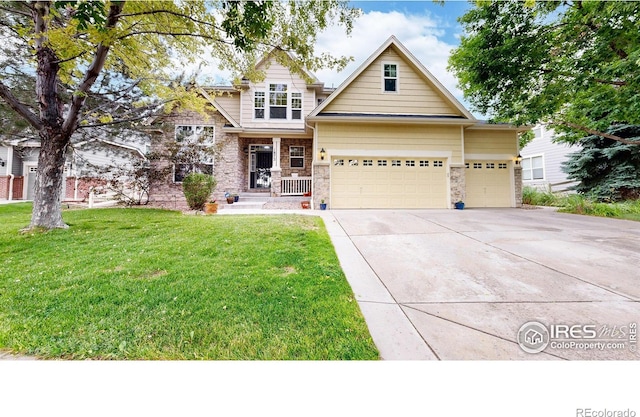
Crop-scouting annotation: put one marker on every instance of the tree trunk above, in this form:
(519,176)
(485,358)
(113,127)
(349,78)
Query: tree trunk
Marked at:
(47,210)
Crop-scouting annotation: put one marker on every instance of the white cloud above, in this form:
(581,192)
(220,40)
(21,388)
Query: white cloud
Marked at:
(422,34)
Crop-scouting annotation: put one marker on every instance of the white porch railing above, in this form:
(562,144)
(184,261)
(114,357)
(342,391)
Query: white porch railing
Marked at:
(296,185)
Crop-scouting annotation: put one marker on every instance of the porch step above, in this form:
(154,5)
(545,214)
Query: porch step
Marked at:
(248,201)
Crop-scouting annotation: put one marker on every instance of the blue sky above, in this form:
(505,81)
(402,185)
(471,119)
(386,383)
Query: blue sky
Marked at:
(429,30)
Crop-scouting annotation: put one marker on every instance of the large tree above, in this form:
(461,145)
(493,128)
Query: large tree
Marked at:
(98,63)
(572,64)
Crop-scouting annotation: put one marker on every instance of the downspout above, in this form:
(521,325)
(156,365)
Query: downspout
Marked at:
(315,154)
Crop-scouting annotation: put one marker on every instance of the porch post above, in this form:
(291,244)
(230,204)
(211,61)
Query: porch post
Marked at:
(276,171)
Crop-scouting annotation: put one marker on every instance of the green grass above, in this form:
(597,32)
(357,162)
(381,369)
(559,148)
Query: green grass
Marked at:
(154,284)
(580,204)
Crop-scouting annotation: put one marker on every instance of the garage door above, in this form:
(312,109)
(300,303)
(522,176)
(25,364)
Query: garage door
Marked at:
(488,184)
(366,182)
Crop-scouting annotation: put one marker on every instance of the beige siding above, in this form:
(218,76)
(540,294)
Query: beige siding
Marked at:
(490,142)
(231,104)
(277,73)
(416,95)
(397,138)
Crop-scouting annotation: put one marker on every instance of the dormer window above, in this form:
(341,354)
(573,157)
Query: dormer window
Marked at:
(390,78)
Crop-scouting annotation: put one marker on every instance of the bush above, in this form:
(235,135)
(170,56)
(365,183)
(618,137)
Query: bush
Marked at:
(536,197)
(197,188)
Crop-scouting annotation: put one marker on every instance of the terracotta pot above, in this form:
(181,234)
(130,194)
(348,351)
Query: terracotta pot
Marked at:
(230,200)
(211,208)
(305,204)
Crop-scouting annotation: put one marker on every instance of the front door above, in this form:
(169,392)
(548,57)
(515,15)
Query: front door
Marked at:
(261,160)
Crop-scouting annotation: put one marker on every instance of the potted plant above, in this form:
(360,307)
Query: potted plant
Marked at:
(229,198)
(236,197)
(459,205)
(323,205)
(211,207)
(305,204)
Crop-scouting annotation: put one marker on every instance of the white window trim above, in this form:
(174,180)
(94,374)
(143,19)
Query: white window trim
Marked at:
(291,88)
(382,77)
(254,108)
(544,171)
(195,126)
(304,153)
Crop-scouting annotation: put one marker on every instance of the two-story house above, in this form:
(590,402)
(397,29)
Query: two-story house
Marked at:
(390,136)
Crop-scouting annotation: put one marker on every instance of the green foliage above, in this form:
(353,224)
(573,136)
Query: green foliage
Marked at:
(169,286)
(535,197)
(573,65)
(607,170)
(197,189)
(580,204)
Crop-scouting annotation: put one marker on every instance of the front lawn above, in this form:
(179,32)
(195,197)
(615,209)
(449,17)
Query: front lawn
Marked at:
(154,284)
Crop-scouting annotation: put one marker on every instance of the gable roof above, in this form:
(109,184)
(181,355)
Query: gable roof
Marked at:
(218,107)
(405,54)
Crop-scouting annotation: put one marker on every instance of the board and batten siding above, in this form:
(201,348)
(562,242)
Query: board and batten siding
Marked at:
(415,93)
(276,73)
(398,140)
(495,142)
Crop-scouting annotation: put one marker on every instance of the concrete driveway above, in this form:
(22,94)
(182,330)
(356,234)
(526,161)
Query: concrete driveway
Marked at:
(451,284)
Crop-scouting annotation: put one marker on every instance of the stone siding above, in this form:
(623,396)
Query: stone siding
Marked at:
(458,184)
(517,176)
(321,185)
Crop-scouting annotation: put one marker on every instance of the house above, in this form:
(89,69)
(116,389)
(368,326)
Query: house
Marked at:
(390,136)
(542,160)
(88,164)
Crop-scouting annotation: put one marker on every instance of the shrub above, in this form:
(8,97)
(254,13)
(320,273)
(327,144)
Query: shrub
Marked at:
(197,188)
(536,197)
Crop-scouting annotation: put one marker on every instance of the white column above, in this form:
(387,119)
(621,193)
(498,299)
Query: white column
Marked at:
(276,154)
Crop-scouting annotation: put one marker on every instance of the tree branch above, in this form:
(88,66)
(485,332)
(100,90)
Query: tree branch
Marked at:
(596,133)
(100,56)
(19,107)
(618,83)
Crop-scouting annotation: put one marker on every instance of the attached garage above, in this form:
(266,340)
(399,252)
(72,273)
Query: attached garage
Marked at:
(488,184)
(388,182)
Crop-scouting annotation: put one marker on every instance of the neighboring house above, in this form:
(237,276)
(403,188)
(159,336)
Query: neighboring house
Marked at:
(542,161)
(391,136)
(88,164)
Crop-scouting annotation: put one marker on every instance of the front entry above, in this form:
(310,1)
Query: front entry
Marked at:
(260,162)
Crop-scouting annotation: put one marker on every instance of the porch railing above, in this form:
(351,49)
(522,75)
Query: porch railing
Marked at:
(296,185)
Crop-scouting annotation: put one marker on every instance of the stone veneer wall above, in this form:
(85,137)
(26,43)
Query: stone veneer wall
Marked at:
(517,176)
(458,184)
(321,185)
(227,161)
(284,157)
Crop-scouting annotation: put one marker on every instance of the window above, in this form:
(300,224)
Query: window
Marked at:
(338,162)
(396,163)
(382,162)
(277,101)
(196,150)
(258,104)
(532,168)
(424,163)
(502,166)
(353,162)
(491,165)
(296,106)
(477,165)
(437,163)
(296,156)
(390,78)
(410,163)
(367,162)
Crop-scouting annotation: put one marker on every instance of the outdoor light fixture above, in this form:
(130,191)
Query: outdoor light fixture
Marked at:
(518,159)
(1,162)
(323,153)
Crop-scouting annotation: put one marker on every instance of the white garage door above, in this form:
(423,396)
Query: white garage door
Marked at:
(488,184)
(376,182)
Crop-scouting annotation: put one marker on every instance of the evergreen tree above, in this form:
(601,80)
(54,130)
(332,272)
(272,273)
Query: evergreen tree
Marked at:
(607,170)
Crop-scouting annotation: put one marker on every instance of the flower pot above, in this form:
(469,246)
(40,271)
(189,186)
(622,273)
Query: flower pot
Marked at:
(236,198)
(229,200)
(211,208)
(459,205)
(323,206)
(305,204)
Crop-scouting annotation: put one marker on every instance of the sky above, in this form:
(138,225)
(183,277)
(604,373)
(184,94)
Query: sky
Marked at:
(429,30)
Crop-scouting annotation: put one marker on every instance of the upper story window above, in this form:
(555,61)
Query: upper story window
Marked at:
(296,106)
(532,168)
(278,99)
(278,103)
(258,104)
(390,78)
